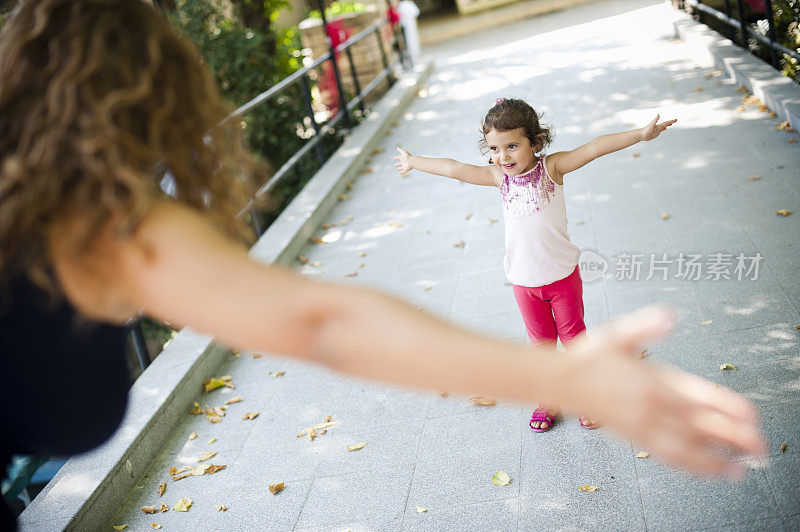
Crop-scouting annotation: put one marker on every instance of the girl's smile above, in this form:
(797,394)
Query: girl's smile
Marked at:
(512,150)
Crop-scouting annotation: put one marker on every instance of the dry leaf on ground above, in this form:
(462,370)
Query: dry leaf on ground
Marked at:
(421,510)
(793,141)
(119,527)
(356,446)
(664,215)
(233,400)
(636,154)
(707,322)
(250,415)
(459,244)
(783,447)
(156,526)
(200,469)
(469,215)
(588,488)
(280,373)
(483,401)
(192,436)
(149,509)
(276,488)
(492,220)
(216,382)
(362,254)
(183,505)
(206,456)
(161,489)
(220,508)
(349,186)
(754,178)
(727,366)
(351,274)
(301,259)
(428,287)
(182,476)
(367,170)
(784,212)
(177,471)
(376,151)
(642,454)
(784,126)
(212,468)
(444,394)
(501,478)
(316,240)
(643,354)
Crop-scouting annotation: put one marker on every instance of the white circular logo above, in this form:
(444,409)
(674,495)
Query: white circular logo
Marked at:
(593,266)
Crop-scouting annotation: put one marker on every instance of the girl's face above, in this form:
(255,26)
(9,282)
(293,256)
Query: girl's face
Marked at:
(511,150)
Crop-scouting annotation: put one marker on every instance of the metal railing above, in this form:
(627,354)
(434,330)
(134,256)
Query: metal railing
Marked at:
(740,26)
(344,114)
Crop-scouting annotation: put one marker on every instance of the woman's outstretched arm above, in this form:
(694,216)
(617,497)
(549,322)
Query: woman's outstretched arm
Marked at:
(178,268)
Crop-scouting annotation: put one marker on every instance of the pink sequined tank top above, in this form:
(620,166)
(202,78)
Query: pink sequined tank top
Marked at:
(538,249)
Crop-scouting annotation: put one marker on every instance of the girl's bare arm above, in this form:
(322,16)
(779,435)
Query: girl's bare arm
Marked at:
(469,173)
(178,268)
(563,162)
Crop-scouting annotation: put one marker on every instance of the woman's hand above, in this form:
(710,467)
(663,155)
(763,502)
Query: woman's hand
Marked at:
(403,161)
(681,418)
(654,129)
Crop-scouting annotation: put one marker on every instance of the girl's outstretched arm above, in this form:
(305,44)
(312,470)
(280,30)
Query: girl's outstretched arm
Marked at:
(179,268)
(563,162)
(469,173)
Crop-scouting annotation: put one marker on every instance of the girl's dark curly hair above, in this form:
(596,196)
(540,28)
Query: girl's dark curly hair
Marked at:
(510,114)
(95,95)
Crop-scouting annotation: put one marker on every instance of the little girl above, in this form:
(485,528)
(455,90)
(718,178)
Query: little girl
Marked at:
(541,262)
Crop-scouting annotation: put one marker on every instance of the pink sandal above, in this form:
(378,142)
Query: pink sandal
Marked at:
(588,426)
(541,415)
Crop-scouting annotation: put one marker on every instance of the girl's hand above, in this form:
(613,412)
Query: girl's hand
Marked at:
(678,417)
(654,129)
(403,161)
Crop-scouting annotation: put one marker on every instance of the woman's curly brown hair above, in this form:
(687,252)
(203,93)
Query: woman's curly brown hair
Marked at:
(95,97)
(510,114)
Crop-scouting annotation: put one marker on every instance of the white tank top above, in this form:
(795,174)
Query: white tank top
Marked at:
(538,248)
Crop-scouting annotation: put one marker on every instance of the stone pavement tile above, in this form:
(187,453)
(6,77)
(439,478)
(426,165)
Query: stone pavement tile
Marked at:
(488,516)
(774,382)
(775,524)
(432,296)
(386,446)
(261,462)
(792,523)
(755,207)
(569,453)
(498,301)
(455,404)
(693,352)
(713,503)
(451,441)
(743,311)
(439,487)
(679,297)
(778,342)
(780,423)
(783,473)
(231,434)
(485,281)
(555,505)
(503,325)
(370,404)
(356,497)
(388,524)
(595,309)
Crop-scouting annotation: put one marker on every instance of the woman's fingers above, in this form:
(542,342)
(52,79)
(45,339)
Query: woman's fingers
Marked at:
(645,326)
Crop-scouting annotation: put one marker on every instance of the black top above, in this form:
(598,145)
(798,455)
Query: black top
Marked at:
(65,380)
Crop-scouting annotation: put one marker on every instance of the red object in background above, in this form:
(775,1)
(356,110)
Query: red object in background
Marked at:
(757,5)
(338,34)
(394,16)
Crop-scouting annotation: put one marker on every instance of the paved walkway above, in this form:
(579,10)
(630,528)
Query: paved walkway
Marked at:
(598,68)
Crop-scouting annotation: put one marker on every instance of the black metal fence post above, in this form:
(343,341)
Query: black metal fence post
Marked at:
(342,101)
(771,24)
(731,32)
(318,149)
(355,78)
(743,25)
(139,344)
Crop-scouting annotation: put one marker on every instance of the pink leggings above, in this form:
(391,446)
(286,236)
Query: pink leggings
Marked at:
(552,311)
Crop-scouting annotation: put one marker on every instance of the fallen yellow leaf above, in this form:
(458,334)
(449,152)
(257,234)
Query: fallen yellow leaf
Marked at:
(279,374)
(163,508)
(396,224)
(182,505)
(421,510)
(215,468)
(220,508)
(175,471)
(351,274)
(664,215)
(727,366)
(709,322)
(754,178)
(119,527)
(469,215)
(316,240)
(588,488)
(349,186)
(792,141)
(459,244)
(367,170)
(206,456)
(492,220)
(501,478)
(216,382)
(483,401)
(176,478)
(376,151)
(428,288)
(161,489)
(698,89)
(356,446)
(232,400)
(642,454)
(636,154)
(784,212)
(156,526)
(345,197)
(444,394)
(250,415)
(149,509)
(276,488)
(783,447)
(643,354)
(301,259)
(212,440)
(192,436)
(362,254)
(200,469)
